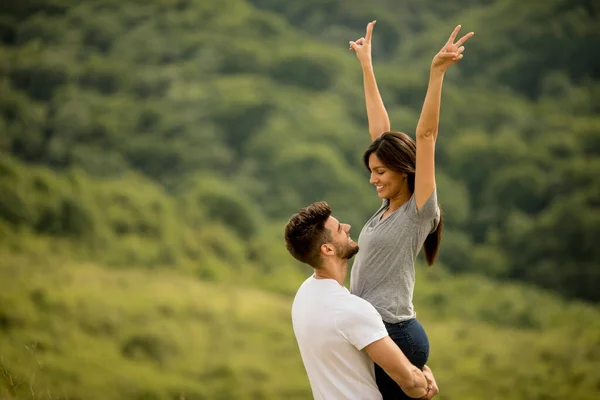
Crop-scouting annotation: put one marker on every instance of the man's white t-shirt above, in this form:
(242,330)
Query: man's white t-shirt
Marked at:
(332,328)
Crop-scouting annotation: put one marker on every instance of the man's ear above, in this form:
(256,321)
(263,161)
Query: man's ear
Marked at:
(327,249)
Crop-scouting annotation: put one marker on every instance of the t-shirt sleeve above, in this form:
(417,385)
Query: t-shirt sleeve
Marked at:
(429,213)
(359,323)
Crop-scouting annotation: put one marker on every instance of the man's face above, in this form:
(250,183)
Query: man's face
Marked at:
(345,247)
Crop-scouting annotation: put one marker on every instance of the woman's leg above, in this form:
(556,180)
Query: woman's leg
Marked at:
(412,340)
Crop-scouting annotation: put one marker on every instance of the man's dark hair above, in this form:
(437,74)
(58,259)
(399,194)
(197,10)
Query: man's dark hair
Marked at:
(305,233)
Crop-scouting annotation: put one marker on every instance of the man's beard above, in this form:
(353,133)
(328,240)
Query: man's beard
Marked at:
(346,251)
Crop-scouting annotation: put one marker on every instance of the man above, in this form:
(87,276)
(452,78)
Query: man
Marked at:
(340,335)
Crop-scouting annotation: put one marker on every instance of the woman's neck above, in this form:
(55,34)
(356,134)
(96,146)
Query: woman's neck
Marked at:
(397,201)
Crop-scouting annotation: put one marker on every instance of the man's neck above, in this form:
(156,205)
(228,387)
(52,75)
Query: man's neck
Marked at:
(337,272)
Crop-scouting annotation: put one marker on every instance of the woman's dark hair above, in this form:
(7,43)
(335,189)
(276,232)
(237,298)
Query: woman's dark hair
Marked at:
(398,152)
(305,232)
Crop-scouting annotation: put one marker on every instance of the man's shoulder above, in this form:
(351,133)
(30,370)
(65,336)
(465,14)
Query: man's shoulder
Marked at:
(331,295)
(307,285)
(352,304)
(319,293)
(349,307)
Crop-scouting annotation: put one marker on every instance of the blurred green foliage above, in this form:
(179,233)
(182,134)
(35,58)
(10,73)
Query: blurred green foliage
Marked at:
(175,138)
(249,111)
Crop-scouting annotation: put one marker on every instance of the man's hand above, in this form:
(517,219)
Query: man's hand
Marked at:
(451,52)
(362,47)
(432,388)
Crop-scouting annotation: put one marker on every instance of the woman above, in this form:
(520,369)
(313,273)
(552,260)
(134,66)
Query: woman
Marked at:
(409,219)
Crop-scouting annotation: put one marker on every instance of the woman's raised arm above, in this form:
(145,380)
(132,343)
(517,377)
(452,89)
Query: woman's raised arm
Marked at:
(379,122)
(427,127)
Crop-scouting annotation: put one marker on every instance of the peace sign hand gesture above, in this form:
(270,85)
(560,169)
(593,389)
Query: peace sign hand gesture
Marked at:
(362,47)
(451,52)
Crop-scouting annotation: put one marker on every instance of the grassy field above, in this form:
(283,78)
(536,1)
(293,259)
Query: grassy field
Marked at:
(83,331)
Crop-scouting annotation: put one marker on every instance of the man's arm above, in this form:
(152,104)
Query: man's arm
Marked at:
(432,385)
(385,353)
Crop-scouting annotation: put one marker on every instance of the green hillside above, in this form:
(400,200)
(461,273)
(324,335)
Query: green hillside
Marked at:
(81,331)
(248,111)
(86,332)
(151,153)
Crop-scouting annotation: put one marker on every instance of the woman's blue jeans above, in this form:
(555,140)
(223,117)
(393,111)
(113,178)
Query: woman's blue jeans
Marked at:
(412,340)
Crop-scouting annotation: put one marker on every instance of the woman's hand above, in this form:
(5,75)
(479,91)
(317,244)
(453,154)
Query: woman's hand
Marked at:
(362,47)
(450,53)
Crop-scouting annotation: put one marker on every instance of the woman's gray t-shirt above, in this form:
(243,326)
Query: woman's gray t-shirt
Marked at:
(383,272)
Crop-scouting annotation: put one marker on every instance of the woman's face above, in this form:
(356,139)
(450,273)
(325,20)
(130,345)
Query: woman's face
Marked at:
(387,182)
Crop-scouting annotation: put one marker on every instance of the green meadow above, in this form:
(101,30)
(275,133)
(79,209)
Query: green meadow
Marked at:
(83,331)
